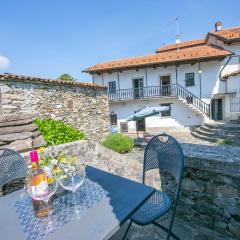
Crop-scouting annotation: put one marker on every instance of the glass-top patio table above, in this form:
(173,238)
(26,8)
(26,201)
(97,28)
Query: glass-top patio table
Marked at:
(100,220)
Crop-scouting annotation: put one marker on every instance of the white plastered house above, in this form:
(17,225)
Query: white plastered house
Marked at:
(198,79)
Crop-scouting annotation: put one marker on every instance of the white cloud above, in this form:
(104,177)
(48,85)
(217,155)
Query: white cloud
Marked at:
(4,62)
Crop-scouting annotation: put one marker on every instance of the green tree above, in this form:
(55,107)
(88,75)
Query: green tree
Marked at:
(66,77)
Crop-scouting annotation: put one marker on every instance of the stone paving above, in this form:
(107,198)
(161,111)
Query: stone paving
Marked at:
(185,231)
(182,136)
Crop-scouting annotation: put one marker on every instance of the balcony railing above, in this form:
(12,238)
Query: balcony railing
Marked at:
(160,91)
(144,92)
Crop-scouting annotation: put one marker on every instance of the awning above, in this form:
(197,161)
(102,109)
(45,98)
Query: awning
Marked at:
(147,112)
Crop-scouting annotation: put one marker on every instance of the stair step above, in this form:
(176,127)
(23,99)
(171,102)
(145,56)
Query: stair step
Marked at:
(235,121)
(193,107)
(218,130)
(224,126)
(214,131)
(205,138)
(234,141)
(218,134)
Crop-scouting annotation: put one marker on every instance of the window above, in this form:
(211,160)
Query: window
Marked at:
(112,87)
(70,103)
(113,119)
(124,127)
(189,79)
(138,87)
(167,113)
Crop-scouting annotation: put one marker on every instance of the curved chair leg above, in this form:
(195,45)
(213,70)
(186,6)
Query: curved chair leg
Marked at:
(171,222)
(126,232)
(166,230)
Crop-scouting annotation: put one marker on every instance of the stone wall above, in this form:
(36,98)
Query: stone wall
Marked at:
(18,132)
(211,188)
(83,107)
(210,193)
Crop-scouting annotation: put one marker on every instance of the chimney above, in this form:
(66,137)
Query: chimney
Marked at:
(218,26)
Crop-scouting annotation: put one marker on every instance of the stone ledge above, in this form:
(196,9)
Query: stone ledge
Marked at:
(18,132)
(16,123)
(16,117)
(218,159)
(18,128)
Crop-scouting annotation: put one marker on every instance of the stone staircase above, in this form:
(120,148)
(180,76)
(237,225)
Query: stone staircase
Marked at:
(215,131)
(193,102)
(192,107)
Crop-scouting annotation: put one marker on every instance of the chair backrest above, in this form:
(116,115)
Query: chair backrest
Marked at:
(12,166)
(163,152)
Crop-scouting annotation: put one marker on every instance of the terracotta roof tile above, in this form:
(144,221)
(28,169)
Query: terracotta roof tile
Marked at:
(173,53)
(183,55)
(229,34)
(231,74)
(185,44)
(8,76)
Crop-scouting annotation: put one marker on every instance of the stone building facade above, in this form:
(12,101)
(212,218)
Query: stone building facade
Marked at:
(82,105)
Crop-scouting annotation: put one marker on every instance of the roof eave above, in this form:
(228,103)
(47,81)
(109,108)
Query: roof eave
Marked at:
(225,40)
(173,49)
(160,64)
(50,82)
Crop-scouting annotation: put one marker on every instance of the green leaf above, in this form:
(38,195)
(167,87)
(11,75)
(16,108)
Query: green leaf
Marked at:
(118,143)
(58,132)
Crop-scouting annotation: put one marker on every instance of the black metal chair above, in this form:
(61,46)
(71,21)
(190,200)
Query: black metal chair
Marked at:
(163,152)
(13,171)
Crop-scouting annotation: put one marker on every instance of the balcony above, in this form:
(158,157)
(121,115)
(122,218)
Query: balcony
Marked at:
(173,90)
(144,92)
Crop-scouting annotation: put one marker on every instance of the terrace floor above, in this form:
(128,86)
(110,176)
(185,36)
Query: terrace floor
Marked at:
(181,136)
(184,230)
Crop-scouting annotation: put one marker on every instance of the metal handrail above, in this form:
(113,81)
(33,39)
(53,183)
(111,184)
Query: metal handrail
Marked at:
(144,92)
(194,100)
(158,91)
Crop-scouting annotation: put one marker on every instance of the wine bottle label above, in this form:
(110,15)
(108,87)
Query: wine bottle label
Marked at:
(40,190)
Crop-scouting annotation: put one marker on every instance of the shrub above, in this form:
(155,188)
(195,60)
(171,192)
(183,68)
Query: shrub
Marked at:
(224,141)
(118,143)
(57,132)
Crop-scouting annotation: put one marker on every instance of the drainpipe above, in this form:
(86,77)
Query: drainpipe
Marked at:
(146,76)
(176,71)
(118,80)
(146,80)
(220,73)
(93,81)
(200,79)
(102,80)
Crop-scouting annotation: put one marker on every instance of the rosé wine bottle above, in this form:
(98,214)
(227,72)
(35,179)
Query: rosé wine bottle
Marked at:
(39,186)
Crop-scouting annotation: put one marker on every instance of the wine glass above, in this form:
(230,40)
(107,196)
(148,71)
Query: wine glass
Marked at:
(72,178)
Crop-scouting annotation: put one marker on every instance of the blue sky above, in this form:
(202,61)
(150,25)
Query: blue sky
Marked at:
(49,37)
